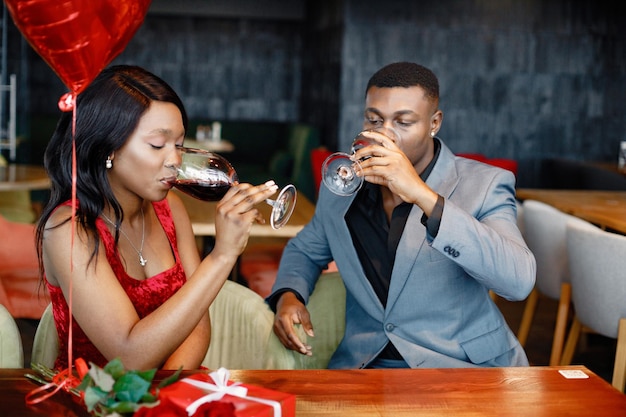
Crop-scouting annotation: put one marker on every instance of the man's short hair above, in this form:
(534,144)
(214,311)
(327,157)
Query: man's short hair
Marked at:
(405,74)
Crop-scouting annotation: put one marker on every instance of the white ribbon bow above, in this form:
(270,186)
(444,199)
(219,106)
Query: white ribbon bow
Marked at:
(221,388)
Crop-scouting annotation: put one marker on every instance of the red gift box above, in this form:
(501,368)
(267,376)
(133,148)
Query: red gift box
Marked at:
(249,400)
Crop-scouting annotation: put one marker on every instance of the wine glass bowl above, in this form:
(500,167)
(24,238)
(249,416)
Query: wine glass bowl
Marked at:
(208,176)
(204,175)
(339,172)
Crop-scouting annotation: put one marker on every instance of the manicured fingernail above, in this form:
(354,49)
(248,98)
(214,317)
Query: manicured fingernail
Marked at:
(270,183)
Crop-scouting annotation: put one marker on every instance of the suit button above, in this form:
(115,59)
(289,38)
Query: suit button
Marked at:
(389,327)
(451,251)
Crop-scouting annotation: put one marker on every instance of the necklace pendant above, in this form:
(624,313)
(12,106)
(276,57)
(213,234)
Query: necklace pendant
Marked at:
(142,261)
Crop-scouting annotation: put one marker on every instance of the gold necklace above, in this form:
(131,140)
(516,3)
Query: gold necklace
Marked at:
(142,261)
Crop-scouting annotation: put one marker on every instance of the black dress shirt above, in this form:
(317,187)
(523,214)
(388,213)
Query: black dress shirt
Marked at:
(376,239)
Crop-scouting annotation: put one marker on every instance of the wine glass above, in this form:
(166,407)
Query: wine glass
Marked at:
(208,176)
(339,172)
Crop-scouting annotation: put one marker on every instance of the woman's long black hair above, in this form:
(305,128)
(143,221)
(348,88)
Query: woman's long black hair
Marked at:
(107,113)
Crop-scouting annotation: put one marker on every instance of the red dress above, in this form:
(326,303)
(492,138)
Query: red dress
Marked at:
(146,295)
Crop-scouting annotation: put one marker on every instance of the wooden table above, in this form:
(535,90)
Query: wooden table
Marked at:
(17,177)
(202,215)
(502,392)
(607,209)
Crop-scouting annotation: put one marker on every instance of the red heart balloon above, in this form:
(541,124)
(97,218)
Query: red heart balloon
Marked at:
(78,38)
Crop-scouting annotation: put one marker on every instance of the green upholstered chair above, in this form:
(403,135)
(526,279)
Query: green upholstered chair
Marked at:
(241,334)
(241,325)
(11,351)
(271,150)
(327,307)
(46,342)
(259,262)
(303,139)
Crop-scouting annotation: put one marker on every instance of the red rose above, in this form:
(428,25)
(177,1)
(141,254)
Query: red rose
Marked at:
(215,409)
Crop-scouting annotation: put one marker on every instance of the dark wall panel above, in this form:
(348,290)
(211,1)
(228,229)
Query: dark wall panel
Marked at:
(222,68)
(523,79)
(519,79)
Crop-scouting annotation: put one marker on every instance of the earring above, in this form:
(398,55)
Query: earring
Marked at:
(109,163)
(432,133)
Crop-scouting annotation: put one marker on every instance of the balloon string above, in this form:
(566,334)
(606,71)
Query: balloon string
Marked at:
(73,223)
(62,380)
(65,379)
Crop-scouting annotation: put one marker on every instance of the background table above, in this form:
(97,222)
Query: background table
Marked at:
(607,209)
(502,392)
(17,177)
(202,215)
(16,183)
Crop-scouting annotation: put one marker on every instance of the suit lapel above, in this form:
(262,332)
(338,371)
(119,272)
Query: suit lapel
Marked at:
(346,257)
(443,179)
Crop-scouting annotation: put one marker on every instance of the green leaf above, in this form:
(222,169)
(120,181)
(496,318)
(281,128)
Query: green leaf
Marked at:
(131,387)
(114,391)
(149,405)
(93,396)
(101,378)
(115,368)
(124,407)
(149,398)
(86,382)
(171,379)
(146,375)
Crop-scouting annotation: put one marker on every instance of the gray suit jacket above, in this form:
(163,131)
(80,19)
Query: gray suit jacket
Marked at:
(439,312)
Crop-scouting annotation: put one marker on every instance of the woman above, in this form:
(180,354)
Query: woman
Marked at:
(128,259)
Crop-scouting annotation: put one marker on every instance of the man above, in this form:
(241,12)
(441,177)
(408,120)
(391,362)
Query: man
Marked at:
(418,247)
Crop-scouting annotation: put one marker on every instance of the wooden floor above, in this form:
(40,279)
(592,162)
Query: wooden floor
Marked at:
(597,352)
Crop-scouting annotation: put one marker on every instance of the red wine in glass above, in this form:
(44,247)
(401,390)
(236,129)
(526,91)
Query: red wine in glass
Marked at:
(208,176)
(203,190)
(359,142)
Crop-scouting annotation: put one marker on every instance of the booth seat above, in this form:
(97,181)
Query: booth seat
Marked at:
(241,334)
(17,206)
(318,156)
(20,289)
(509,164)
(475,156)
(258,266)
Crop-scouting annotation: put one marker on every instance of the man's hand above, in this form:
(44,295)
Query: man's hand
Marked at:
(290,311)
(384,163)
